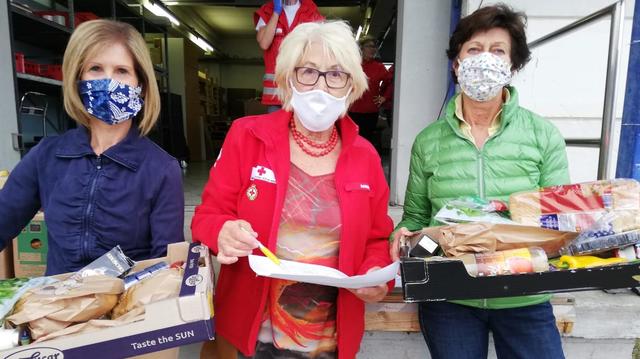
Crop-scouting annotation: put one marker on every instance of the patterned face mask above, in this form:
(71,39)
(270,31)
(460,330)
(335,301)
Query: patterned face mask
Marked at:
(483,76)
(109,100)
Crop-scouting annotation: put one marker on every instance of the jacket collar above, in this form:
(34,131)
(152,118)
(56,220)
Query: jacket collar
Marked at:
(126,152)
(509,109)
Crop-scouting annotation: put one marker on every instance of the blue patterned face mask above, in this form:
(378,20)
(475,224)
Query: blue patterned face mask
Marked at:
(109,100)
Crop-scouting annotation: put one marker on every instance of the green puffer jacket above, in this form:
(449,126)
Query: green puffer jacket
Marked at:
(527,152)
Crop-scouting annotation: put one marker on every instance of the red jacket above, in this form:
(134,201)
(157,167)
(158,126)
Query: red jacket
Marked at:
(363,196)
(376,73)
(308,12)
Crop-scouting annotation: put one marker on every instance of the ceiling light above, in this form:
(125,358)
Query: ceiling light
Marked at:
(201,43)
(158,10)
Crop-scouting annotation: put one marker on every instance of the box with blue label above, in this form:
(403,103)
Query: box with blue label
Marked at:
(185,317)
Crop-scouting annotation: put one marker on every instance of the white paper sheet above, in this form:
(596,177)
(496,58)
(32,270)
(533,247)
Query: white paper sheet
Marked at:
(317,274)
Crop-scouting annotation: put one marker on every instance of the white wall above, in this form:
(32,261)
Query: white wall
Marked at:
(8,121)
(565,79)
(421,80)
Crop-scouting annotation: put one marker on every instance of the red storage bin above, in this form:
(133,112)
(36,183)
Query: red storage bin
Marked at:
(19,62)
(31,68)
(81,17)
(51,71)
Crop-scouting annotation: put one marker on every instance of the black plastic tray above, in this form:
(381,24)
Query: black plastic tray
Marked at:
(448,280)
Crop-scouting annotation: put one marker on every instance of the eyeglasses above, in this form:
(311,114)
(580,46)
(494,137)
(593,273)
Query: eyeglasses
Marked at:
(334,79)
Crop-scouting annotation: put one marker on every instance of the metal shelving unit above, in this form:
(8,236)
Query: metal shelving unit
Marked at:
(38,79)
(43,41)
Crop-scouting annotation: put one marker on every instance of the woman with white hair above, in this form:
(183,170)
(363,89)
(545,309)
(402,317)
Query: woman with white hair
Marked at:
(304,184)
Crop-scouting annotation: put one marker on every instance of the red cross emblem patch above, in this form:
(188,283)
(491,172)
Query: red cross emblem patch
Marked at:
(252,192)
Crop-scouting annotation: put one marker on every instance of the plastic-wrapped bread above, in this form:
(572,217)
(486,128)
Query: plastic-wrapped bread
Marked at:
(577,207)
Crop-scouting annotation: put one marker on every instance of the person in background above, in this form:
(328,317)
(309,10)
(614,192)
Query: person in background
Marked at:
(365,110)
(388,90)
(303,183)
(485,145)
(274,20)
(104,183)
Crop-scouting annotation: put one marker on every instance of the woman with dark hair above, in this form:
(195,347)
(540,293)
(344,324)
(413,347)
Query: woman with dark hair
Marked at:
(485,145)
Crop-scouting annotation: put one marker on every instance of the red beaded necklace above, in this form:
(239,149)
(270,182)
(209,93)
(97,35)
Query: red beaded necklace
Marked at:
(303,142)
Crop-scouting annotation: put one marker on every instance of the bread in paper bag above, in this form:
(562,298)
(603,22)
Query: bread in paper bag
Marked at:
(162,285)
(577,207)
(56,306)
(459,239)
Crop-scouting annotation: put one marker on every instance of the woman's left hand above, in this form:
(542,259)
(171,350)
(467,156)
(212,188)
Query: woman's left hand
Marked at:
(371,294)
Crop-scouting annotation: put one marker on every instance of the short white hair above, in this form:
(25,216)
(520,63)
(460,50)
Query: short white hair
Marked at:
(337,40)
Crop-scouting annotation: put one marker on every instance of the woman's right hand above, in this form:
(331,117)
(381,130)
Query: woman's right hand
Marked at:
(394,249)
(236,239)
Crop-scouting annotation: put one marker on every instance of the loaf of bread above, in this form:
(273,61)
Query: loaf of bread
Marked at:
(578,207)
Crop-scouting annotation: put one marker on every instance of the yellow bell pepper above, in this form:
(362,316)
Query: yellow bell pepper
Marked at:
(573,262)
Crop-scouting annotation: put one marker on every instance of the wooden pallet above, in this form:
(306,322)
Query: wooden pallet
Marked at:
(393,315)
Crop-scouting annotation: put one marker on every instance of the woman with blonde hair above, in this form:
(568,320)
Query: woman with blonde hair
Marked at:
(104,183)
(303,183)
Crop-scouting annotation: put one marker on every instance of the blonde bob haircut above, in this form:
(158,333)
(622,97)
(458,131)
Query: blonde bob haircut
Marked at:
(338,42)
(90,38)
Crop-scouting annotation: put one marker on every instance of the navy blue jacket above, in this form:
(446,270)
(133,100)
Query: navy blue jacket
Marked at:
(131,196)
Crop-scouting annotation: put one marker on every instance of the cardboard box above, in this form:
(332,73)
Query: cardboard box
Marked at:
(156,55)
(6,256)
(6,262)
(167,324)
(30,249)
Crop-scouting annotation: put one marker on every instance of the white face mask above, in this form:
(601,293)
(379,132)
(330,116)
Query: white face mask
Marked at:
(316,109)
(483,76)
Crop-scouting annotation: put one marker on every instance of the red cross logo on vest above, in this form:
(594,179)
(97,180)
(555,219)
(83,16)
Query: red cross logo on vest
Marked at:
(252,192)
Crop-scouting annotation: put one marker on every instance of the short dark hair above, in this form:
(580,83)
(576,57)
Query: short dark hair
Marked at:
(367,39)
(487,18)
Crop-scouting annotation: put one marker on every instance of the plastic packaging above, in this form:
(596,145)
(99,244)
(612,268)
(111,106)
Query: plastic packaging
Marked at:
(577,207)
(113,264)
(134,278)
(513,261)
(473,209)
(11,290)
(601,237)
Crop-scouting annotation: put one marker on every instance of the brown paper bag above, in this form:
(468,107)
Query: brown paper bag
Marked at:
(460,239)
(95,324)
(164,284)
(53,307)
